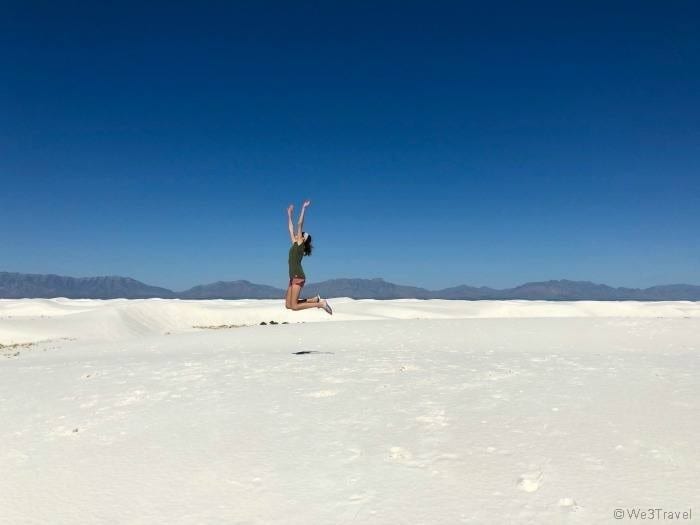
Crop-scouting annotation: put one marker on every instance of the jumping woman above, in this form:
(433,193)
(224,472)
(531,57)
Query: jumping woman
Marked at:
(301,245)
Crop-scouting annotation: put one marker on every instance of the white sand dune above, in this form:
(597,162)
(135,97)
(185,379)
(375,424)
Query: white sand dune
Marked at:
(435,412)
(31,320)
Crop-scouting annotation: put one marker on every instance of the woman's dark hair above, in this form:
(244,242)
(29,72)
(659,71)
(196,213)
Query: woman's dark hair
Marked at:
(308,247)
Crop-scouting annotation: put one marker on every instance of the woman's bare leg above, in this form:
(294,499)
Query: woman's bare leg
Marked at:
(298,305)
(312,300)
(288,298)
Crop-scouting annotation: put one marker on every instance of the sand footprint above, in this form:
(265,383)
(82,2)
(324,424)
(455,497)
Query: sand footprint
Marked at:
(356,453)
(333,380)
(530,481)
(399,453)
(135,396)
(434,420)
(362,497)
(568,504)
(500,373)
(322,393)
(404,457)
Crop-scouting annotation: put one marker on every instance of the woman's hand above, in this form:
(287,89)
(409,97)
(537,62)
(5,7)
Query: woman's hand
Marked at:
(290,210)
(307,203)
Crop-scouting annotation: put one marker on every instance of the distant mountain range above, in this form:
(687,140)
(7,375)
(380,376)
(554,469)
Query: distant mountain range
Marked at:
(21,285)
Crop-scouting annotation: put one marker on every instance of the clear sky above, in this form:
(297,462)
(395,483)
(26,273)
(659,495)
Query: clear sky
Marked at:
(441,143)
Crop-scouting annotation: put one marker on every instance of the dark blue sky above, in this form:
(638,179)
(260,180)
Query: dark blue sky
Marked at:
(441,143)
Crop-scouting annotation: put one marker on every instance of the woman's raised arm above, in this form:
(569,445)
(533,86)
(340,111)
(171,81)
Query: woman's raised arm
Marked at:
(290,210)
(300,224)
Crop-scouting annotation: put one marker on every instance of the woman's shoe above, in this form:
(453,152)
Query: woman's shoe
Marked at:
(318,298)
(327,307)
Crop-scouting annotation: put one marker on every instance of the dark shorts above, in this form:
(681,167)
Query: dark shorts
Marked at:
(298,281)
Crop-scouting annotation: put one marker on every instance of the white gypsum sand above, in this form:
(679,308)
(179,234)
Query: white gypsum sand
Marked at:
(406,411)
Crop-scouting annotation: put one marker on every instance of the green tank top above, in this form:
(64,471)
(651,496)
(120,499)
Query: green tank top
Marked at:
(296,252)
